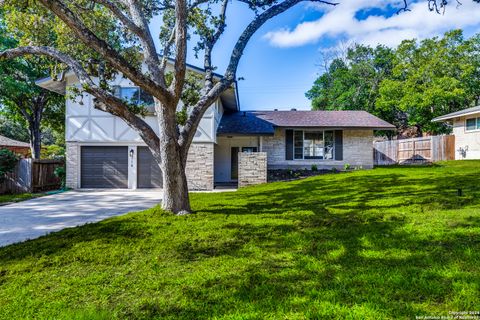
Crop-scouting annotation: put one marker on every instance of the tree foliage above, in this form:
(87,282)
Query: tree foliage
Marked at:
(8,161)
(24,103)
(407,86)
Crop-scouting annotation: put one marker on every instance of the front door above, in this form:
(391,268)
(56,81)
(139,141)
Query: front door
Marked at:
(234,163)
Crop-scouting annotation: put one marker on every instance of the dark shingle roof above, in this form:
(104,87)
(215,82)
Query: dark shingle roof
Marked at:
(242,123)
(460,113)
(263,122)
(7,142)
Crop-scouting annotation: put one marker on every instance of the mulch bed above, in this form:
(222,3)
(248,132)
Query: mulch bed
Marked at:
(289,174)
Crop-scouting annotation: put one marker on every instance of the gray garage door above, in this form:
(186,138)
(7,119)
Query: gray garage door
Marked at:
(148,172)
(104,167)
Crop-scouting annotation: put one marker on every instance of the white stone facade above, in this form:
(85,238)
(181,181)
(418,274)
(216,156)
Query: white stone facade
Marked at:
(72,164)
(252,168)
(200,166)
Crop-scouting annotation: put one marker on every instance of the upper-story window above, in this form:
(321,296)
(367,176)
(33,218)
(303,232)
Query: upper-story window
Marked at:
(472,124)
(134,95)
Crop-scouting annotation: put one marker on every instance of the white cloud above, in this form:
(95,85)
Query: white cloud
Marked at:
(340,21)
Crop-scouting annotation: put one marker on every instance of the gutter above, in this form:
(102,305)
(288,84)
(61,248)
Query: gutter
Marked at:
(237,95)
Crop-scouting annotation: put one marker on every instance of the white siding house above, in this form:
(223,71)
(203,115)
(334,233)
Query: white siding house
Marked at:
(466,129)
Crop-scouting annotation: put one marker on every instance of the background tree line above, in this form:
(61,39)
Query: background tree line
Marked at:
(407,86)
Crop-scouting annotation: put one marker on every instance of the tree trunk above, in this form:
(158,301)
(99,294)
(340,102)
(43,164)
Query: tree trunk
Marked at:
(175,187)
(35,139)
(172,162)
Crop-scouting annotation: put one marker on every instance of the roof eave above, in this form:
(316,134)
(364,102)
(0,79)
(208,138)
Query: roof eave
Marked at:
(60,86)
(340,127)
(455,115)
(261,134)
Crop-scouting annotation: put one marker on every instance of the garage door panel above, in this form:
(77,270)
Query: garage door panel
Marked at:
(149,174)
(104,167)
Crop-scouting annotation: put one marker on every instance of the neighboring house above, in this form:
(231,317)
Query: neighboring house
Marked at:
(466,128)
(15,146)
(103,152)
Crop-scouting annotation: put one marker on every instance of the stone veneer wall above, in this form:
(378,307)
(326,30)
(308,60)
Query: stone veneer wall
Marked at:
(72,162)
(252,168)
(357,151)
(200,166)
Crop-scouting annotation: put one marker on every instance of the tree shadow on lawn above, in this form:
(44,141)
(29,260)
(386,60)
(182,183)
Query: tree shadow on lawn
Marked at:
(336,267)
(317,248)
(112,230)
(352,193)
(344,253)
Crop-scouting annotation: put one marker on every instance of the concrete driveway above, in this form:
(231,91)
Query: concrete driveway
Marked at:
(34,218)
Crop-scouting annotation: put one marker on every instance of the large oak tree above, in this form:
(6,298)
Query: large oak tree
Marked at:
(114,36)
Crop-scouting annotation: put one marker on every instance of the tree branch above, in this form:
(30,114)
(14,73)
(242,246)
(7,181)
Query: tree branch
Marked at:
(188,132)
(103,48)
(181,25)
(166,51)
(150,52)
(254,26)
(210,43)
(111,104)
(127,22)
(404,8)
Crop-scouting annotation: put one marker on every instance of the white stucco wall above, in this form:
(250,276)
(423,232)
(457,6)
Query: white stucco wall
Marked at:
(84,123)
(468,141)
(222,154)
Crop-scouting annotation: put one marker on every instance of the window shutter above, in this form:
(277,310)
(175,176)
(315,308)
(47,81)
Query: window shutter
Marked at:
(289,144)
(338,144)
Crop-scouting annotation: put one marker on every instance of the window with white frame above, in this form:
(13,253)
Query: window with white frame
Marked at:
(310,144)
(472,124)
(134,95)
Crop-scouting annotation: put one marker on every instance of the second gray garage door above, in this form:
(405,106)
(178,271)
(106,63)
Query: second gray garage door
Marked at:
(104,167)
(148,172)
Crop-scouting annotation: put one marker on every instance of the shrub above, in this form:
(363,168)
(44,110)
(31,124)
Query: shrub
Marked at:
(8,161)
(53,152)
(61,173)
(346,166)
(314,167)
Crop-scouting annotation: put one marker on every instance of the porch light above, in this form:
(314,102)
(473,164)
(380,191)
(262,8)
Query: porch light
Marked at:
(131,153)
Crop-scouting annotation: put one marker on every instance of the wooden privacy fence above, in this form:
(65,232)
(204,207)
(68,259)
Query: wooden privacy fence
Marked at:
(32,176)
(416,150)
(43,175)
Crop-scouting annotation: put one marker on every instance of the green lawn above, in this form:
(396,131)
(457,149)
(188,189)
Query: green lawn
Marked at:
(9,198)
(389,243)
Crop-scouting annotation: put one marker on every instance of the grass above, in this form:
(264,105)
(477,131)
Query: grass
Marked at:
(389,243)
(10,198)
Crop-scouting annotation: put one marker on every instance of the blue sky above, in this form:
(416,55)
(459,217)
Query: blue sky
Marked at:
(283,58)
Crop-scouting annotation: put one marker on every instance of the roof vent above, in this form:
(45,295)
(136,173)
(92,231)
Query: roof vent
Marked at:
(293,109)
(244,114)
(275,109)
